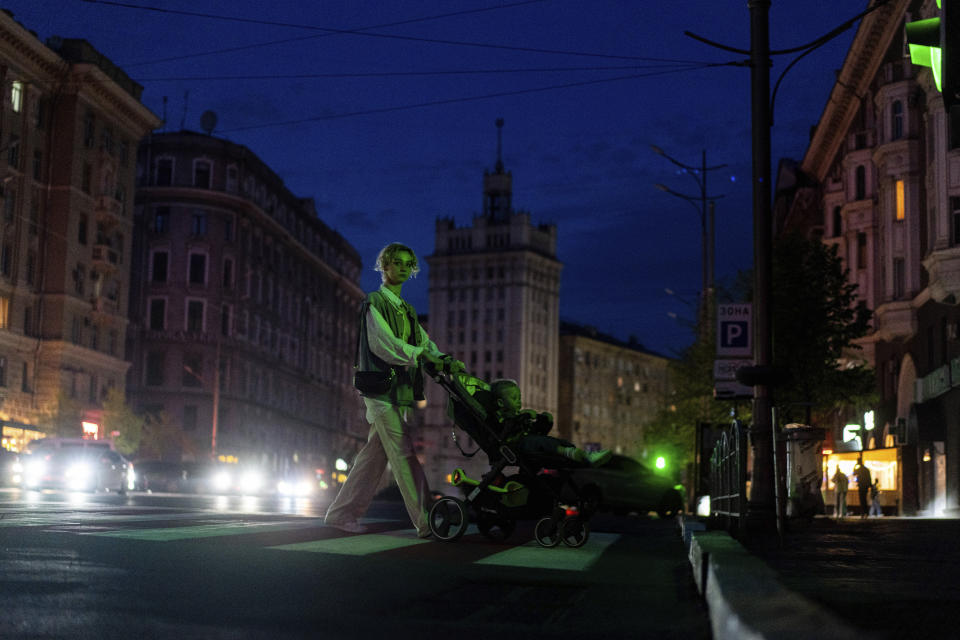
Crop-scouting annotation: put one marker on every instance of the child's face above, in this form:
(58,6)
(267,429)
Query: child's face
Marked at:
(510,400)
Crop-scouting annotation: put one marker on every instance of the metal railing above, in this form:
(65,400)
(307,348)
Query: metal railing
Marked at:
(728,476)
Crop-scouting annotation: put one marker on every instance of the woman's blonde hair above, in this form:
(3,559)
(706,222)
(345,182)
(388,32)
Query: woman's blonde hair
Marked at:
(389,252)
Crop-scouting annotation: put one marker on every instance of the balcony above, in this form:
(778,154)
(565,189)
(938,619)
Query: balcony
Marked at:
(943,266)
(104,259)
(108,209)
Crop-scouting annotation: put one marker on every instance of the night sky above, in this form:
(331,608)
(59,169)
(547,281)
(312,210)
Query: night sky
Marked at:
(391,126)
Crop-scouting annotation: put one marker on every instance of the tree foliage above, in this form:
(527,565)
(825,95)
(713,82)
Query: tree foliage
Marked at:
(119,418)
(816,319)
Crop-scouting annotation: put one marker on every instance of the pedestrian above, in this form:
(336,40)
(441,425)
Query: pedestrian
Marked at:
(875,508)
(391,346)
(528,429)
(864,482)
(841,484)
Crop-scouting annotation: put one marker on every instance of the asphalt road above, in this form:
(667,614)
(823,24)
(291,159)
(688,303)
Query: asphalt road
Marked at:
(156,566)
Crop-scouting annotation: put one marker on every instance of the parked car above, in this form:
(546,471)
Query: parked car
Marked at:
(624,485)
(9,464)
(75,465)
(160,476)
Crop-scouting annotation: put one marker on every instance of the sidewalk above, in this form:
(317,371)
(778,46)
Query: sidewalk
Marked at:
(867,578)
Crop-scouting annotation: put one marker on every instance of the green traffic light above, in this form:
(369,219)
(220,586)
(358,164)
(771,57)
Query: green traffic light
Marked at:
(925,39)
(661,462)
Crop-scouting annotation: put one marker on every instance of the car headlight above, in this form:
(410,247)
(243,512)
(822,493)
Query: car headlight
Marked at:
(222,480)
(251,481)
(131,478)
(78,475)
(33,471)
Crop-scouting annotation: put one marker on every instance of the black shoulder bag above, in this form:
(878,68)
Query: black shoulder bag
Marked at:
(367,381)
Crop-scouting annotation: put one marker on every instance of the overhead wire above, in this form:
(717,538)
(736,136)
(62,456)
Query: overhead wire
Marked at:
(433,103)
(366,33)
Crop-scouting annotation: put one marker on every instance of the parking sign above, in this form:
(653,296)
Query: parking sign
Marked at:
(734,331)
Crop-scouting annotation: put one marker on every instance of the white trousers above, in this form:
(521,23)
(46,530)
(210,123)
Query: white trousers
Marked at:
(388,441)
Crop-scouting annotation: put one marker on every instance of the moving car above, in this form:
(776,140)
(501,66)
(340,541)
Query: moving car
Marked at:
(160,476)
(75,465)
(624,485)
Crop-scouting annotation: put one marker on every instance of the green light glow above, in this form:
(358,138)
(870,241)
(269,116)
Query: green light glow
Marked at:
(661,462)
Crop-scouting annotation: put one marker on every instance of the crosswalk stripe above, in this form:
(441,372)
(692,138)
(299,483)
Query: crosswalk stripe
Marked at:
(359,545)
(198,531)
(533,556)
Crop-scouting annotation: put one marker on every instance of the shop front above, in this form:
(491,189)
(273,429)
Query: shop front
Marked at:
(17,435)
(885,467)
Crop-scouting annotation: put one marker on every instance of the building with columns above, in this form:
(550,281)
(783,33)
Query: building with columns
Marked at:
(881,183)
(70,122)
(494,304)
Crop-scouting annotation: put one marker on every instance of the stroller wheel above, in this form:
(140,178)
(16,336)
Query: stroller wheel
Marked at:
(495,528)
(448,519)
(574,532)
(547,532)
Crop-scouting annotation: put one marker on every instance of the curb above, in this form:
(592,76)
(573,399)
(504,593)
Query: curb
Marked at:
(744,597)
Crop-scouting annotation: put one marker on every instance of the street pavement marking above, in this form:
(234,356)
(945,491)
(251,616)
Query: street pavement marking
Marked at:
(531,555)
(357,545)
(198,531)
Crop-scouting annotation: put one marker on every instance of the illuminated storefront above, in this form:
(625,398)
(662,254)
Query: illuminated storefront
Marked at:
(16,435)
(884,466)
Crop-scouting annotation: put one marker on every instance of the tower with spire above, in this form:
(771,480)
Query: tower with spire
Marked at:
(494,304)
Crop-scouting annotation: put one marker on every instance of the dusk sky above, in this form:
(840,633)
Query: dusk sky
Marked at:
(391,126)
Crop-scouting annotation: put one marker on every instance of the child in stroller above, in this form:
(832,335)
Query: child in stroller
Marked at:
(541,488)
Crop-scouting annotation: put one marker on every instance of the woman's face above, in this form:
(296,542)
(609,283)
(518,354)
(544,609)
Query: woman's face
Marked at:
(398,269)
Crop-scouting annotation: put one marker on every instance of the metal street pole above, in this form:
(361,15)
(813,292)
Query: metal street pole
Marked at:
(761,506)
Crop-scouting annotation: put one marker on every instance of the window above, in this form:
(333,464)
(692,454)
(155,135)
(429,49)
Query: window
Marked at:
(16,96)
(89,138)
(190,417)
(192,370)
(227,273)
(3,371)
(25,378)
(198,268)
(860,185)
(899,278)
(164,172)
(86,178)
(155,367)
(201,174)
(861,251)
(37,164)
(82,224)
(195,309)
(4,312)
(228,232)
(198,223)
(896,120)
(6,259)
(955,217)
(232,178)
(225,313)
(10,205)
(900,206)
(13,151)
(158,314)
(158,266)
(31,270)
(161,219)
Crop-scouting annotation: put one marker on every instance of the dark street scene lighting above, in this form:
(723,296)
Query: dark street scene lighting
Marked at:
(364,320)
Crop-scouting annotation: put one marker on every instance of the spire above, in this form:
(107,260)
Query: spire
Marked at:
(499,165)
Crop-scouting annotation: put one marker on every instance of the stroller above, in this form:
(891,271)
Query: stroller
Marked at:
(495,502)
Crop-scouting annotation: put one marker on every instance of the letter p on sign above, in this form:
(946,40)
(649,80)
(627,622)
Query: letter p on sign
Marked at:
(734,330)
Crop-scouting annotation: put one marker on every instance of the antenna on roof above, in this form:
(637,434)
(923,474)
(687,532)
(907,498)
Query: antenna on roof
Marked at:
(499,166)
(208,122)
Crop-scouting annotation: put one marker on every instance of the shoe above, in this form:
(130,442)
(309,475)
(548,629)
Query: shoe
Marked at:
(599,458)
(349,527)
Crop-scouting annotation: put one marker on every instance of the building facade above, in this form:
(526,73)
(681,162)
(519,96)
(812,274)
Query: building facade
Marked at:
(70,122)
(609,390)
(244,311)
(494,304)
(880,182)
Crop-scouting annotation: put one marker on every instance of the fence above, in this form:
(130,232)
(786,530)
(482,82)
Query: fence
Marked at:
(728,475)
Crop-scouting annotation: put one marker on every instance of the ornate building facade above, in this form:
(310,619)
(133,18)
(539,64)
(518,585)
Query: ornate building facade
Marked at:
(244,312)
(880,182)
(70,122)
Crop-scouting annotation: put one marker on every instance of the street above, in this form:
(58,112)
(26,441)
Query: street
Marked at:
(158,566)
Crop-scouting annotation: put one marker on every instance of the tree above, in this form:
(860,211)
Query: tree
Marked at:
(816,319)
(119,418)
